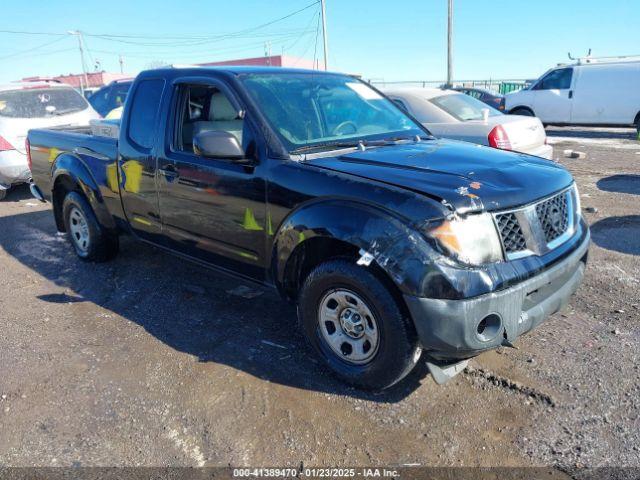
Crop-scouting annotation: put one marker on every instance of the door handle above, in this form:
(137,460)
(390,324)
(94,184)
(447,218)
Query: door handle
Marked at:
(169,172)
(570,93)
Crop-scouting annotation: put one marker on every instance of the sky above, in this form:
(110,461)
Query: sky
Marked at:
(381,40)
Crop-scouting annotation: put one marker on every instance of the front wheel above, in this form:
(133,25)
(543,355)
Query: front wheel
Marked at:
(353,321)
(90,241)
(3,193)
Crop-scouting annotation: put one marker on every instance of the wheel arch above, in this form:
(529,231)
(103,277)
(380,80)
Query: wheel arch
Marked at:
(330,229)
(69,173)
(522,107)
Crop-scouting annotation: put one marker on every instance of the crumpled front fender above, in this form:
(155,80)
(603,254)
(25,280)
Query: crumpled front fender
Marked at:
(402,252)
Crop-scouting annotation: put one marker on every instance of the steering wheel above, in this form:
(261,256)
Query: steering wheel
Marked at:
(346,123)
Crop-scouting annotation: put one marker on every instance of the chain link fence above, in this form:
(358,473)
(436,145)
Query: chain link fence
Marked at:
(496,85)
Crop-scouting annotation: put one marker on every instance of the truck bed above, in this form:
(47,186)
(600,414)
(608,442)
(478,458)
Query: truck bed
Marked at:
(48,145)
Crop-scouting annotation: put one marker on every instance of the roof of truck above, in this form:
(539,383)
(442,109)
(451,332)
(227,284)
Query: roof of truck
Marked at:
(239,69)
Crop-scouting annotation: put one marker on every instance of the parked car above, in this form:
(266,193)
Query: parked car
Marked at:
(458,116)
(110,96)
(493,99)
(602,93)
(33,105)
(390,242)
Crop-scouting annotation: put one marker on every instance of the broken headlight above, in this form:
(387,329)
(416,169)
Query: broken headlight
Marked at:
(472,240)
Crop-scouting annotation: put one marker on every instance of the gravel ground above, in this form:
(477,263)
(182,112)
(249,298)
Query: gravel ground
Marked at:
(148,360)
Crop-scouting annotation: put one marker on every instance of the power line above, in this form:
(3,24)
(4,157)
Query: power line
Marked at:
(19,32)
(208,37)
(307,28)
(200,51)
(307,48)
(17,54)
(186,38)
(50,52)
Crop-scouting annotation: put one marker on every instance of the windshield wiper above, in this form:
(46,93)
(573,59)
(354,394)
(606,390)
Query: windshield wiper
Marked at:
(325,146)
(357,143)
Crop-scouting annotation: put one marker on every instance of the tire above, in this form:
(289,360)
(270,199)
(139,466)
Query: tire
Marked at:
(393,346)
(90,241)
(3,193)
(522,111)
(638,126)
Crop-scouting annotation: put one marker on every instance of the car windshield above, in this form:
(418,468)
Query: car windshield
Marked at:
(40,102)
(463,107)
(310,111)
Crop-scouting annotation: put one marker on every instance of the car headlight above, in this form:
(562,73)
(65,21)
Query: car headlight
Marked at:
(472,240)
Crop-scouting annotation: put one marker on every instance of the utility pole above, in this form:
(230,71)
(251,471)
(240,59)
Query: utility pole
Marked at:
(450,45)
(324,33)
(121,62)
(78,33)
(267,52)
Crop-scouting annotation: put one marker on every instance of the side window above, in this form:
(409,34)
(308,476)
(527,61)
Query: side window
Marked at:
(99,101)
(144,112)
(556,80)
(119,94)
(204,108)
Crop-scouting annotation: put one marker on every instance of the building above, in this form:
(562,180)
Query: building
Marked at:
(95,79)
(98,79)
(272,61)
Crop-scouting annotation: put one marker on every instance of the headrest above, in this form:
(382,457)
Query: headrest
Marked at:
(221,109)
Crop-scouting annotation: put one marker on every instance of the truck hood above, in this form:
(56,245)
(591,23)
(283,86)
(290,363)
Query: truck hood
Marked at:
(466,176)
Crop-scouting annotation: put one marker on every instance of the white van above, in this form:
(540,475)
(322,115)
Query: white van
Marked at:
(591,92)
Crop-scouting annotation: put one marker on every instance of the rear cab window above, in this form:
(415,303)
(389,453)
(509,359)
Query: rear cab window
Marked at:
(144,112)
(40,102)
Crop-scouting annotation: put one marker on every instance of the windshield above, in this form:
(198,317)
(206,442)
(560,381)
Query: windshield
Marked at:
(463,107)
(40,102)
(308,110)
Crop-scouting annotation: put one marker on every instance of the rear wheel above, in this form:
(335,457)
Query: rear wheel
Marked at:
(638,125)
(353,321)
(90,241)
(522,111)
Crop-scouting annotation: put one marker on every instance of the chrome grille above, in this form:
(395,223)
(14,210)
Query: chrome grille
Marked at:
(554,216)
(537,228)
(511,233)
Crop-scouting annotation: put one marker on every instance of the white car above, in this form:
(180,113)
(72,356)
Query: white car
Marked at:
(449,114)
(28,105)
(600,92)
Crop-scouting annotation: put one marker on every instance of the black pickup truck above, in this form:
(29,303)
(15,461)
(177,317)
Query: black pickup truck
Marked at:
(390,242)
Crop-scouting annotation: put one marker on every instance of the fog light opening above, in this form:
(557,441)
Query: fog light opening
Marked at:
(489,327)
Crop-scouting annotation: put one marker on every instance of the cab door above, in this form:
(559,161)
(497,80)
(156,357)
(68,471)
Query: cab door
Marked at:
(212,209)
(135,176)
(553,96)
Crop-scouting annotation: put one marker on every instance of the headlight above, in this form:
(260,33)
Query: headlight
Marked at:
(473,240)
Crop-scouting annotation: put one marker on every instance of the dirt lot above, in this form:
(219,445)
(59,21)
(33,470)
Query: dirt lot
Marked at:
(149,360)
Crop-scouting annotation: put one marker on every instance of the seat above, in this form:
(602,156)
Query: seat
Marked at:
(222,117)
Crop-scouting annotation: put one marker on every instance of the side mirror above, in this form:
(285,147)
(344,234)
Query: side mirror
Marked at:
(218,144)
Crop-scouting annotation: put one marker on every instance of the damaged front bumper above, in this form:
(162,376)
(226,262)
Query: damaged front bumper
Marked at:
(451,330)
